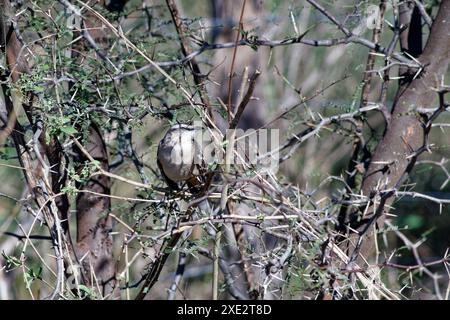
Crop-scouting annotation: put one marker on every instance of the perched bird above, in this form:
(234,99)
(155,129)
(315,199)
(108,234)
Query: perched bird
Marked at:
(182,157)
(179,155)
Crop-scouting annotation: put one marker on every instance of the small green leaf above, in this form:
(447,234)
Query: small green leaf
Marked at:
(11,261)
(68,130)
(7,153)
(414,221)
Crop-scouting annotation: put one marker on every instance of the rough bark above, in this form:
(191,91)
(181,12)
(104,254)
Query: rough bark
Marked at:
(94,243)
(94,224)
(43,186)
(405,135)
(406,132)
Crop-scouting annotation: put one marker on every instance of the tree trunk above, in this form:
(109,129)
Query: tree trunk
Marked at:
(405,134)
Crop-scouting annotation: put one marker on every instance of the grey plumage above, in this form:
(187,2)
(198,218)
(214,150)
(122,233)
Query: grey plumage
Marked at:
(178,153)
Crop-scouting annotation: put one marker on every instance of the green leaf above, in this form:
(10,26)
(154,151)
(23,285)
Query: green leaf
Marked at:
(11,261)
(33,275)
(7,153)
(414,221)
(68,130)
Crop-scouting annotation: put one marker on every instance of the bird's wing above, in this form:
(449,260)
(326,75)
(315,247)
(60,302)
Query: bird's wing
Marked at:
(172,184)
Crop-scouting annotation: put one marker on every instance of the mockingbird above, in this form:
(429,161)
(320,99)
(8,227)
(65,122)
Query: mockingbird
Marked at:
(180,158)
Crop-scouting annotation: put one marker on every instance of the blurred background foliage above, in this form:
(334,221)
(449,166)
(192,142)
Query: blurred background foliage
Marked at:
(290,74)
